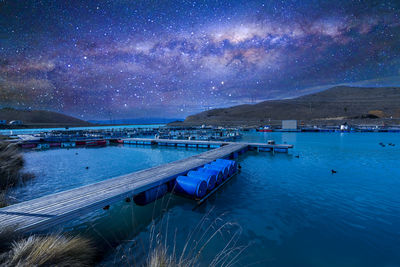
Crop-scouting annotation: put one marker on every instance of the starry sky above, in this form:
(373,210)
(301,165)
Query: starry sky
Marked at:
(131,59)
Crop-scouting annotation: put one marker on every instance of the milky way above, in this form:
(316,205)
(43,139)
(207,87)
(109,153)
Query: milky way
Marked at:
(127,59)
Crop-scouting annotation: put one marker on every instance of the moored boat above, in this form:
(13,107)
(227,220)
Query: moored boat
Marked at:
(264,129)
(96,143)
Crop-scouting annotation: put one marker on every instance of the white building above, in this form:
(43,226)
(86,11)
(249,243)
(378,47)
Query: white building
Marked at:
(344,127)
(289,125)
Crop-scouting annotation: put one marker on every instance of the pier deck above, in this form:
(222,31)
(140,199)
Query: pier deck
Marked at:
(51,210)
(200,143)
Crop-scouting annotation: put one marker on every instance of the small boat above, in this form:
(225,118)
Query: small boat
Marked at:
(43,146)
(96,143)
(55,144)
(265,129)
(29,145)
(80,143)
(116,141)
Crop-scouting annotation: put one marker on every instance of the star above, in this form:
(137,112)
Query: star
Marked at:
(156,58)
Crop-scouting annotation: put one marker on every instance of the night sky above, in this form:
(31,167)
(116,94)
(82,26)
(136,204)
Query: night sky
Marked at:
(129,59)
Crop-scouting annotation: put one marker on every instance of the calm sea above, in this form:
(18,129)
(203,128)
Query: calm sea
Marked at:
(281,210)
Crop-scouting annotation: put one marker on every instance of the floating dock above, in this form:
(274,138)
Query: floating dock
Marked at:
(205,144)
(52,210)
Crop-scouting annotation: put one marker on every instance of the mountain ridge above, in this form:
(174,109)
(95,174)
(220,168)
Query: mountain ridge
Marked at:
(341,102)
(40,117)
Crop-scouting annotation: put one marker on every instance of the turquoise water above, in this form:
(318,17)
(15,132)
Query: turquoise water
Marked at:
(115,127)
(62,169)
(279,211)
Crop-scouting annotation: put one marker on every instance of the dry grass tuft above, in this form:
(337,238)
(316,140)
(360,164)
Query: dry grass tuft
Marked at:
(159,258)
(11,164)
(3,199)
(51,250)
(7,236)
(207,233)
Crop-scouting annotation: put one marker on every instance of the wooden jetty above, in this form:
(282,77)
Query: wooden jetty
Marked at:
(55,209)
(205,144)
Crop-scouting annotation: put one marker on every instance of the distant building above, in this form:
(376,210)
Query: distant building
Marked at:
(16,122)
(344,127)
(289,125)
(3,122)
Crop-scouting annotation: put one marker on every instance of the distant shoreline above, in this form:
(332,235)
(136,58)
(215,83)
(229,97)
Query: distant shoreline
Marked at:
(49,126)
(277,123)
(247,124)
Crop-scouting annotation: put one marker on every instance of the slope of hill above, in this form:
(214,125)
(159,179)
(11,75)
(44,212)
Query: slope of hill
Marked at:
(40,117)
(337,103)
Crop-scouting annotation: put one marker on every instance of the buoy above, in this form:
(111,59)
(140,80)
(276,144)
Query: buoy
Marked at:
(208,177)
(333,171)
(227,165)
(233,164)
(191,186)
(151,195)
(218,174)
(223,169)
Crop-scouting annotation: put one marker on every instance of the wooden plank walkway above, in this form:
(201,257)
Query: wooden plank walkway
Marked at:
(200,143)
(45,212)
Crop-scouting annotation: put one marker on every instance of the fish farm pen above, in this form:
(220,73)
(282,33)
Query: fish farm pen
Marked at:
(66,138)
(100,137)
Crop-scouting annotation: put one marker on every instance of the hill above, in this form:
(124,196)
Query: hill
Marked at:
(150,120)
(40,117)
(334,104)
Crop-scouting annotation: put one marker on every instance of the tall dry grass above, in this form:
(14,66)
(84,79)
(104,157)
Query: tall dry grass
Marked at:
(11,163)
(212,241)
(3,199)
(7,236)
(51,250)
(212,233)
(159,258)
(164,253)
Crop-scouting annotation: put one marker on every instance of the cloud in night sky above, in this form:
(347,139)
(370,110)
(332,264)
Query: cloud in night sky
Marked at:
(127,59)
